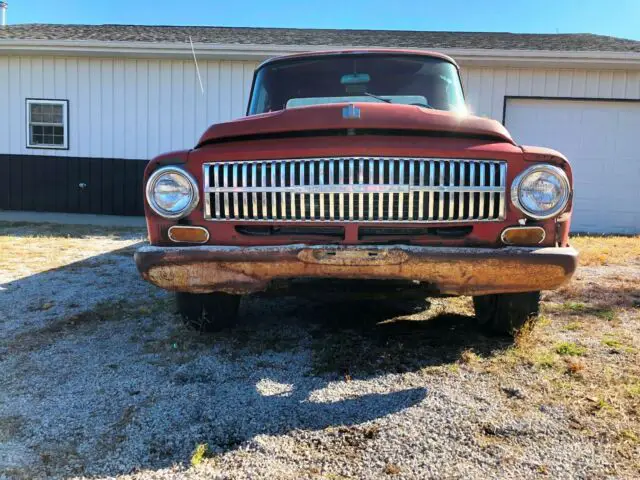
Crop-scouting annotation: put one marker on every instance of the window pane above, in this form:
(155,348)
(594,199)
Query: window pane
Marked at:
(50,119)
(36,117)
(36,138)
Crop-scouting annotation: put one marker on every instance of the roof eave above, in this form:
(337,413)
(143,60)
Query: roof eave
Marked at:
(484,57)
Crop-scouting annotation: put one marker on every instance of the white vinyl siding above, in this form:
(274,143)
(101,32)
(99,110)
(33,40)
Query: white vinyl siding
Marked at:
(485,88)
(122,108)
(138,108)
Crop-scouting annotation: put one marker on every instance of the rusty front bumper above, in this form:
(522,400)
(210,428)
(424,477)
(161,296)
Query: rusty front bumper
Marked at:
(463,271)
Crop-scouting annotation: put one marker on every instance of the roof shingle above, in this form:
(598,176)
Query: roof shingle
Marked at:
(321,37)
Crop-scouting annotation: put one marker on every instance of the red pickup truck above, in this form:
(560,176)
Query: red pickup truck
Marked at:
(358,166)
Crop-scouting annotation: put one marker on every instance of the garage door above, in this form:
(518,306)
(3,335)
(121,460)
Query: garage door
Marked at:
(602,141)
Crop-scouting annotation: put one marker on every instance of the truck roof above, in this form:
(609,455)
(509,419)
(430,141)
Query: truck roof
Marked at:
(360,51)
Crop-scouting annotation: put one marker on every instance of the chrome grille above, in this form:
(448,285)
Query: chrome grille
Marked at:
(356,189)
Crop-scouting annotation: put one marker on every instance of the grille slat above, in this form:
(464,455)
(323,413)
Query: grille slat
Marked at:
(274,195)
(372,189)
(283,200)
(321,177)
(401,195)
(303,199)
(235,195)
(461,195)
(245,198)
(381,182)
(412,172)
(263,169)
(254,195)
(225,183)
(481,201)
(432,182)
(341,182)
(361,195)
(292,181)
(492,182)
(472,196)
(331,200)
(503,181)
(441,200)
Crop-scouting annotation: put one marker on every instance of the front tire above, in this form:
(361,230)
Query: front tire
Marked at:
(208,312)
(506,313)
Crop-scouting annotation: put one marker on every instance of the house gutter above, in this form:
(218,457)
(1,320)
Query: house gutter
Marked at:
(208,51)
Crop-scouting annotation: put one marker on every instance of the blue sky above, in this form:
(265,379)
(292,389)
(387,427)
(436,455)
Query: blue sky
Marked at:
(607,17)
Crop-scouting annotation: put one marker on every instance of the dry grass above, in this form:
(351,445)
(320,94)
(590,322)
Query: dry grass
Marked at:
(42,247)
(609,250)
(583,357)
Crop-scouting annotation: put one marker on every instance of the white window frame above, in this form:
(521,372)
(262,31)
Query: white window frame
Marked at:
(64,125)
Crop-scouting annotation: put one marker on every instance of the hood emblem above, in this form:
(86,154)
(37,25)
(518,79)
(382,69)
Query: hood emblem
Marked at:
(351,111)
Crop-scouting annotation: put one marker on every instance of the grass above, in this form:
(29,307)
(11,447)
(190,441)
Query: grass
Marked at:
(574,307)
(573,326)
(544,359)
(616,344)
(200,453)
(605,312)
(42,247)
(570,348)
(633,390)
(608,314)
(607,250)
(586,359)
(629,435)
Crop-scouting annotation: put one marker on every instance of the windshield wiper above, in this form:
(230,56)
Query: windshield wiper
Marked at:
(386,100)
(424,105)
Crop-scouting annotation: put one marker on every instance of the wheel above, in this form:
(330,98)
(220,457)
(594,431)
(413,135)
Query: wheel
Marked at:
(506,313)
(208,312)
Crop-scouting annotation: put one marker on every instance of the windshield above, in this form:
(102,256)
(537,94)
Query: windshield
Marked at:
(391,78)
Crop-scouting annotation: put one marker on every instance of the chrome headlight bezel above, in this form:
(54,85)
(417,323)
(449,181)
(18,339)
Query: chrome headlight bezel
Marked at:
(551,170)
(172,170)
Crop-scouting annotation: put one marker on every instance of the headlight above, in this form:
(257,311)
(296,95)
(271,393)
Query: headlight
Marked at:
(541,191)
(172,192)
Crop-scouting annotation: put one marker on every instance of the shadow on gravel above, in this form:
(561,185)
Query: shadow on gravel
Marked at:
(361,338)
(140,391)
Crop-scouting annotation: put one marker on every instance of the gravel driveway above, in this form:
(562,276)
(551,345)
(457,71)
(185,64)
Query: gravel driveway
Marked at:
(100,379)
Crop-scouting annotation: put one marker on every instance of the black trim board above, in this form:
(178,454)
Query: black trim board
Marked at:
(574,99)
(47,183)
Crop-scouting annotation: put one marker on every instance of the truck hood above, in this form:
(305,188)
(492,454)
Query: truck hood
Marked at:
(321,119)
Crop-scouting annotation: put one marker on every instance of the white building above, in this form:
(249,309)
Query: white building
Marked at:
(83,107)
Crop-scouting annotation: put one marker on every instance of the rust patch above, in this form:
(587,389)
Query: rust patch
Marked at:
(450,270)
(352,258)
